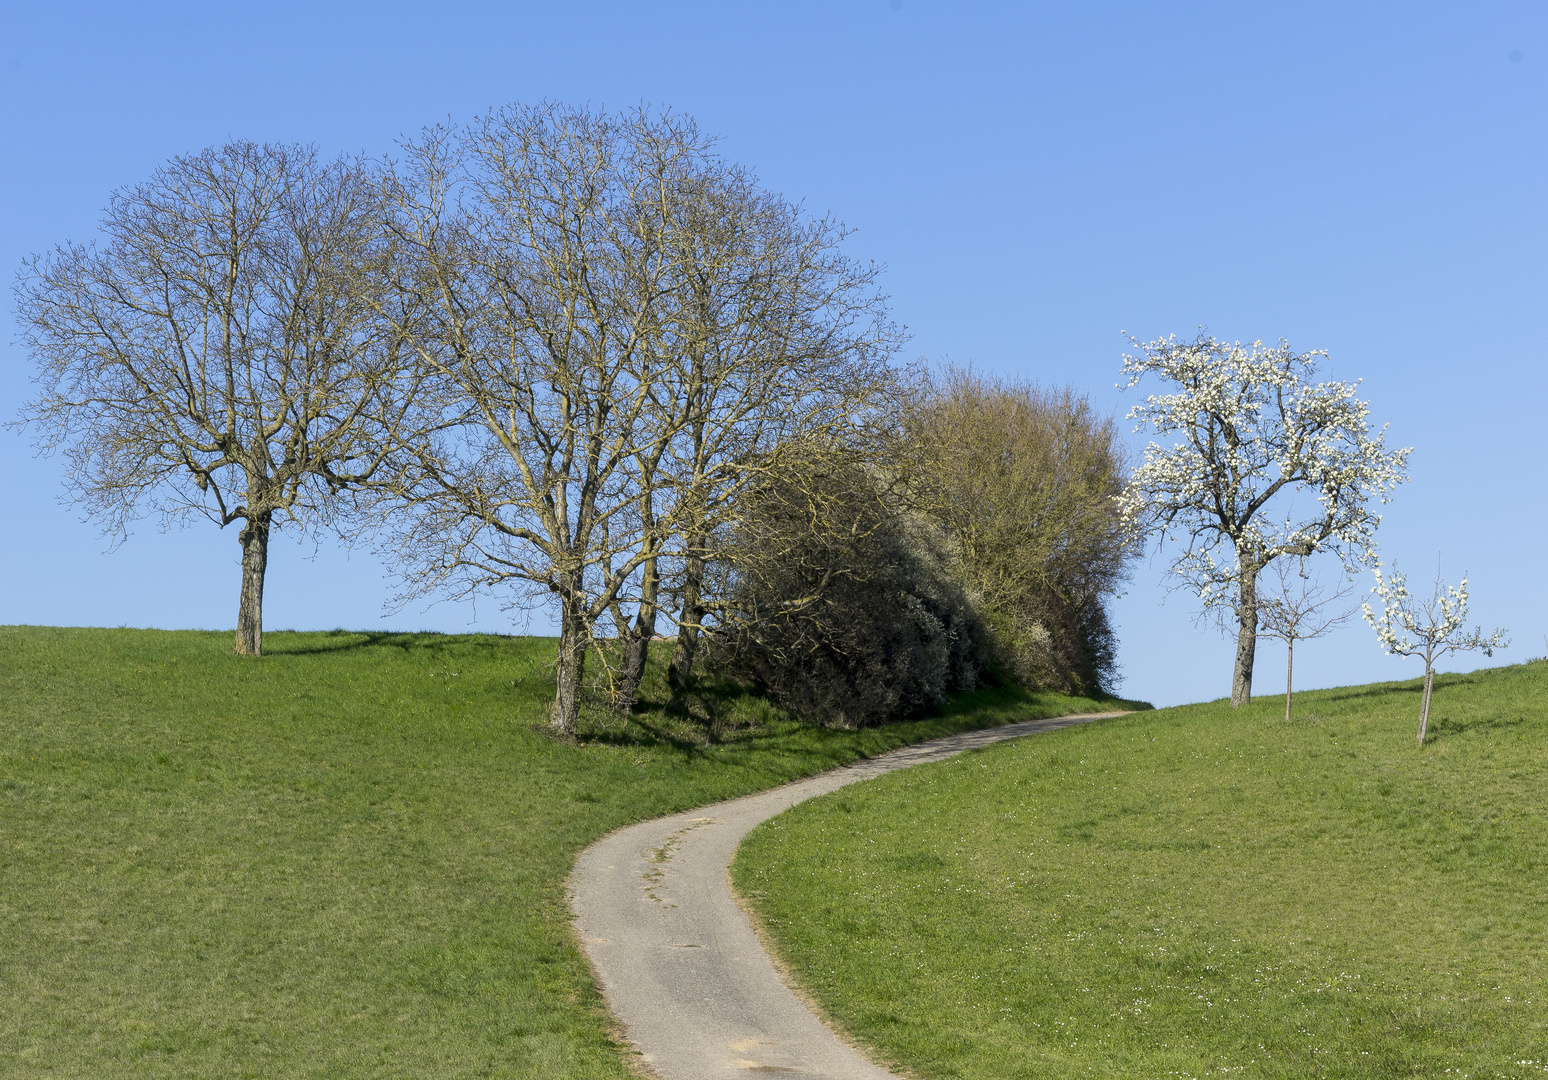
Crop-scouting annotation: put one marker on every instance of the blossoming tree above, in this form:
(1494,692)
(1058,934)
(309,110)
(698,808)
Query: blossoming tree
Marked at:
(1428,628)
(1253,431)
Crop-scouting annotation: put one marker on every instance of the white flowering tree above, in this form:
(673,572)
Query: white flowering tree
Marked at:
(1253,431)
(1428,628)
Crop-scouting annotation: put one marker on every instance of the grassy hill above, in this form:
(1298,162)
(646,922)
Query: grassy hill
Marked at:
(1193,891)
(345,859)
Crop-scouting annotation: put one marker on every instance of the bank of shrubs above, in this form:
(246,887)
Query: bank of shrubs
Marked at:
(982,544)
(841,608)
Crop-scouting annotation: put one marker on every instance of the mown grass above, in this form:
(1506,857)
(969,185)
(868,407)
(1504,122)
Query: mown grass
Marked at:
(344,859)
(1189,892)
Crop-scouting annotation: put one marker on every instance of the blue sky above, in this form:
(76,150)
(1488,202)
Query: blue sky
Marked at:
(1038,179)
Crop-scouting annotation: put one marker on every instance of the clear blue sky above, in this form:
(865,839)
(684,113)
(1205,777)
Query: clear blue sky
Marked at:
(1367,179)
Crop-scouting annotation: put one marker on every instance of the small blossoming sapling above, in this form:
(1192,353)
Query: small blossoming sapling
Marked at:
(1428,628)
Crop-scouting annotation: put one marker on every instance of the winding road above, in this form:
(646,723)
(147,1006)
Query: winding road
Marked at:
(676,956)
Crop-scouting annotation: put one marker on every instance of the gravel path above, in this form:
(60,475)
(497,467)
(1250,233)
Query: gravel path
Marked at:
(677,958)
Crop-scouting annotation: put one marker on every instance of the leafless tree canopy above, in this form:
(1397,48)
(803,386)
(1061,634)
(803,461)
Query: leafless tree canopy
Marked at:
(576,357)
(1299,607)
(779,344)
(216,354)
(624,329)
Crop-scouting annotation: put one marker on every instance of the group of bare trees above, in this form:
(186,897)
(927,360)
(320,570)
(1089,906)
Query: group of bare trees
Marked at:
(579,358)
(543,353)
(620,332)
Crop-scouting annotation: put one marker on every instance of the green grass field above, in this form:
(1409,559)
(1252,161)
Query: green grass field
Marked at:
(1191,892)
(345,859)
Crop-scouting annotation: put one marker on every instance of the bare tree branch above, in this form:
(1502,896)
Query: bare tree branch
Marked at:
(1301,608)
(218,355)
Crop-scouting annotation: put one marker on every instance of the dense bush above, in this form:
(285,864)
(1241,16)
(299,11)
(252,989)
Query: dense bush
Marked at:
(1024,480)
(842,610)
(855,588)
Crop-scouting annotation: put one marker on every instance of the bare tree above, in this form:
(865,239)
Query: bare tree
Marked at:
(1299,610)
(1428,629)
(778,345)
(624,329)
(538,236)
(1252,427)
(218,354)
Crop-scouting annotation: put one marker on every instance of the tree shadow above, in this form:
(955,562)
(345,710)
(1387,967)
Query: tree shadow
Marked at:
(713,711)
(1444,725)
(1414,687)
(344,641)
(642,731)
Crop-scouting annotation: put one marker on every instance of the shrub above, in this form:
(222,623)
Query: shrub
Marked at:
(1024,480)
(840,609)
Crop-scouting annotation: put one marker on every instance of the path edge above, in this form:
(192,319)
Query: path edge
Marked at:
(616,1029)
(787,977)
(767,942)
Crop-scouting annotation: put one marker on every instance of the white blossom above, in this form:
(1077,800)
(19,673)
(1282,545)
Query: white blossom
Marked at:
(1252,431)
(1428,628)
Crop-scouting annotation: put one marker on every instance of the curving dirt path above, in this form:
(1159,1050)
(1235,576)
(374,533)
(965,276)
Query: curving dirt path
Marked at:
(677,958)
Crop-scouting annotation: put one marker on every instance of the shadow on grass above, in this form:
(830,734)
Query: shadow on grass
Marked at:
(713,711)
(1444,725)
(305,643)
(1414,687)
(644,730)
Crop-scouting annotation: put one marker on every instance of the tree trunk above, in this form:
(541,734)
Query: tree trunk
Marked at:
(637,650)
(1246,639)
(1424,702)
(570,666)
(255,561)
(1289,674)
(688,621)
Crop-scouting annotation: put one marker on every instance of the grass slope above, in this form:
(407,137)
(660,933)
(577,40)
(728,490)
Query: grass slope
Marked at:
(1189,892)
(345,859)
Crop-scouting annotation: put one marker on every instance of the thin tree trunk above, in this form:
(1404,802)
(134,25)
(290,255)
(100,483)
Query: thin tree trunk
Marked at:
(570,666)
(255,562)
(1289,674)
(1246,639)
(687,646)
(637,650)
(1424,703)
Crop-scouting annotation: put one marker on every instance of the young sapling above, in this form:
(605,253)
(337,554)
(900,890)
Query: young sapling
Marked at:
(1428,628)
(1301,609)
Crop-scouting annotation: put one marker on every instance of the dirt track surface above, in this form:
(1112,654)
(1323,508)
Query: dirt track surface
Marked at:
(677,958)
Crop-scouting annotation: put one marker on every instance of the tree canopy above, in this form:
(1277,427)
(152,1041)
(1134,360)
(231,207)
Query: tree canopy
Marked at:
(219,354)
(1252,432)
